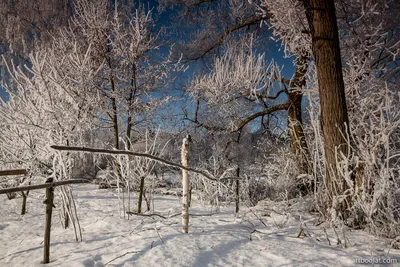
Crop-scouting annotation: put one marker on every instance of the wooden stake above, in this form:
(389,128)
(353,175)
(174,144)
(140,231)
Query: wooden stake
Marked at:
(49,211)
(185,185)
(24,197)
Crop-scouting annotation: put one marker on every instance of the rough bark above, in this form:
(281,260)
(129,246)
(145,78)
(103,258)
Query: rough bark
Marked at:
(334,118)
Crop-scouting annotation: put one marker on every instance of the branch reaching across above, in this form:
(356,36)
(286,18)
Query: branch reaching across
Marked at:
(138,154)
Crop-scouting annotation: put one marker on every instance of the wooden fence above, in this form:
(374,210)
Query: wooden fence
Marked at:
(49,186)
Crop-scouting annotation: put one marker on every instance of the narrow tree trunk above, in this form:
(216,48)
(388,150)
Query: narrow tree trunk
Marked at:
(115,123)
(185,185)
(129,131)
(190,195)
(132,95)
(115,128)
(66,217)
(141,189)
(334,118)
(237,189)
(298,142)
(49,212)
(295,122)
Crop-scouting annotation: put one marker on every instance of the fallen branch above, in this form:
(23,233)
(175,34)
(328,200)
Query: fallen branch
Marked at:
(200,215)
(193,215)
(258,217)
(159,234)
(145,215)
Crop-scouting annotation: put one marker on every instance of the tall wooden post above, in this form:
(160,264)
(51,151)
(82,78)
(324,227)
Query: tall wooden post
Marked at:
(49,211)
(185,185)
(24,197)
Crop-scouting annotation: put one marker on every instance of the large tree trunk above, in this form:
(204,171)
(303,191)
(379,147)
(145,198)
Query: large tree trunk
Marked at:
(334,118)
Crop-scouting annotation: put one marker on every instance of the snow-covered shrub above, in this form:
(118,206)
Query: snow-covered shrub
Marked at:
(282,176)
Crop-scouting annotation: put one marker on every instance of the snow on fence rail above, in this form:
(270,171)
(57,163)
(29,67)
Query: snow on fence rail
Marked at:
(41,186)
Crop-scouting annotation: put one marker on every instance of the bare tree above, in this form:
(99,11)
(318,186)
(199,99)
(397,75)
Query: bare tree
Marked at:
(240,20)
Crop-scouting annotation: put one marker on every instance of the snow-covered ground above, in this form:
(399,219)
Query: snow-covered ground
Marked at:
(266,235)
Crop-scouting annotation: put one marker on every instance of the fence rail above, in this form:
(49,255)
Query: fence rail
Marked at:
(13,172)
(40,186)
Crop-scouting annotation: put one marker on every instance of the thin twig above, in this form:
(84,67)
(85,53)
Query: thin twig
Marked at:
(130,252)
(141,223)
(159,234)
(257,217)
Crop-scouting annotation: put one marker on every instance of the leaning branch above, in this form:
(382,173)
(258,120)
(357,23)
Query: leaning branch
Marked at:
(267,111)
(40,186)
(224,35)
(131,153)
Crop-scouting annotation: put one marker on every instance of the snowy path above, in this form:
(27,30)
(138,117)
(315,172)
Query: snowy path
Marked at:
(218,240)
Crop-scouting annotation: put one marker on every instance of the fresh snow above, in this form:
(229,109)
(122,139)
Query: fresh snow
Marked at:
(219,238)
